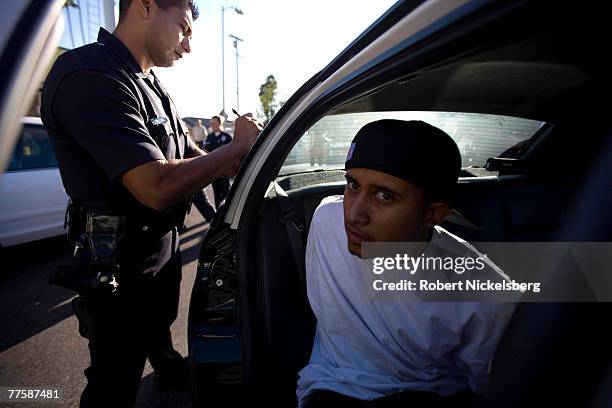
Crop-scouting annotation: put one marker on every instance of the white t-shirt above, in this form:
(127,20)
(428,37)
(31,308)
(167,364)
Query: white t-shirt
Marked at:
(198,133)
(368,349)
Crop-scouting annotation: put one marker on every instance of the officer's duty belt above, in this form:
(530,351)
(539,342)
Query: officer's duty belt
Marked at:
(127,224)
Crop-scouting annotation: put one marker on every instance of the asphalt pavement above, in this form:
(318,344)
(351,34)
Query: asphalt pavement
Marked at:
(39,342)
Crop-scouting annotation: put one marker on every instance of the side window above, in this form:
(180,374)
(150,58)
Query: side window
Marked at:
(479,137)
(33,150)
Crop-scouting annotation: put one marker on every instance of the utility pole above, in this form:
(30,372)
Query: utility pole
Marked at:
(238,11)
(236,40)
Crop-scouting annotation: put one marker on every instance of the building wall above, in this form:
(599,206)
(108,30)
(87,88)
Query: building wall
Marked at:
(81,25)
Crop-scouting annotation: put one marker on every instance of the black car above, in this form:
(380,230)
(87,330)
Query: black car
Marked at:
(522,87)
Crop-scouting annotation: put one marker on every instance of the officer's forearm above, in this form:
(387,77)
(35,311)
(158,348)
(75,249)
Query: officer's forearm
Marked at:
(163,183)
(197,153)
(185,177)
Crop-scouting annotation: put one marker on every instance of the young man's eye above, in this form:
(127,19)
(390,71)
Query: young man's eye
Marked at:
(384,196)
(352,185)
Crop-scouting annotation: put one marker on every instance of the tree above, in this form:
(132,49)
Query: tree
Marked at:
(267,94)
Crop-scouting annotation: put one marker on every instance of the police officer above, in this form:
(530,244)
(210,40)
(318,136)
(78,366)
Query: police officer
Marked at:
(129,168)
(215,140)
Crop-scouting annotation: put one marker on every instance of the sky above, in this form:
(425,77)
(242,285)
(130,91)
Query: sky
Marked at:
(290,39)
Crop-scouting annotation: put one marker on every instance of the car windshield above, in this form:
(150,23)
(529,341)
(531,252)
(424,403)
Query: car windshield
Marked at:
(479,137)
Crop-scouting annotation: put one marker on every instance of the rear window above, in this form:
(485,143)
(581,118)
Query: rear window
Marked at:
(479,137)
(33,150)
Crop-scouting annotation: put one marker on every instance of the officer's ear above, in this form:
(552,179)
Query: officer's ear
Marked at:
(144,8)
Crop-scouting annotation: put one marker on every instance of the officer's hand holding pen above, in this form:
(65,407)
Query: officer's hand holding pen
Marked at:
(246,129)
(250,117)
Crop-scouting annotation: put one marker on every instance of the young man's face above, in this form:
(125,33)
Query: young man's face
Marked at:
(170,33)
(379,207)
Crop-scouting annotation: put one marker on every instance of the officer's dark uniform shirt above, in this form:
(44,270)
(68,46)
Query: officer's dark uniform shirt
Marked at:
(214,142)
(104,117)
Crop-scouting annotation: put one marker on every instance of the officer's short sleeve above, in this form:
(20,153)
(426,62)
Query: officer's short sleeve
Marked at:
(102,114)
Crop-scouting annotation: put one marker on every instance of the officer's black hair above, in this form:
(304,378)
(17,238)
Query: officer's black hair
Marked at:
(124,5)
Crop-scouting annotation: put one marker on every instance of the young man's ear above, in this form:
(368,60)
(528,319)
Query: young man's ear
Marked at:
(436,212)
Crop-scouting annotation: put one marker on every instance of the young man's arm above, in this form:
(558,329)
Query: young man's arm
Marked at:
(481,337)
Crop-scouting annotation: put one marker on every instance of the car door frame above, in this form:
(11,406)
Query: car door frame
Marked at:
(26,55)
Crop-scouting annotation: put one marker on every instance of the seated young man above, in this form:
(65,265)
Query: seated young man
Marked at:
(400,178)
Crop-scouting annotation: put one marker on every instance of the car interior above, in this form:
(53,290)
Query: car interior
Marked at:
(548,188)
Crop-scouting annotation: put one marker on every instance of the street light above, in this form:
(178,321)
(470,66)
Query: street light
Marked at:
(238,11)
(236,39)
